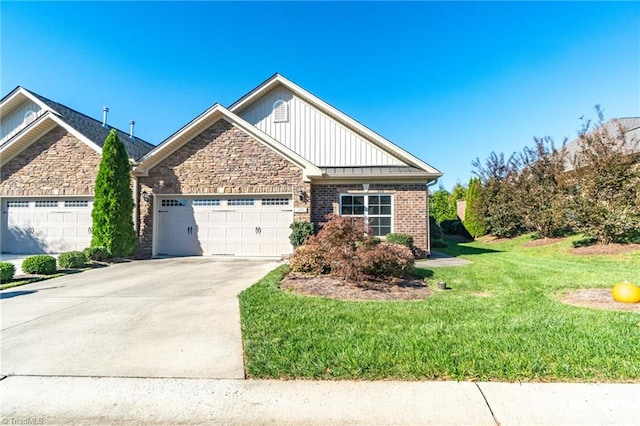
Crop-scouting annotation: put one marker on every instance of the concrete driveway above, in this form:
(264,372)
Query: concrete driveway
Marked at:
(166,318)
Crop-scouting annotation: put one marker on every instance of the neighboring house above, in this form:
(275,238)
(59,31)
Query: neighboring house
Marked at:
(631,128)
(49,159)
(232,180)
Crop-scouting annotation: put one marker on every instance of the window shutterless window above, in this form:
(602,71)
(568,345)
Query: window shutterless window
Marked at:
(377,209)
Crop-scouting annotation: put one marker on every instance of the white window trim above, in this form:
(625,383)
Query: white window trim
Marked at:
(366,214)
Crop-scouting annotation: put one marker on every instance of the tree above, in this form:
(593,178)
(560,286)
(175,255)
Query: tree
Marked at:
(113,203)
(440,206)
(473,218)
(540,188)
(498,204)
(606,178)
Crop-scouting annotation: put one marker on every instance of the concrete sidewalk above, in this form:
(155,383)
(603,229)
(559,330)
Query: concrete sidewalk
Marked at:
(111,400)
(441,260)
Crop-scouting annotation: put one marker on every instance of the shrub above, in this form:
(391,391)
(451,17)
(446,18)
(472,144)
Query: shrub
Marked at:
(435,232)
(72,259)
(386,260)
(474,221)
(300,232)
(41,264)
(344,247)
(402,239)
(96,253)
(7,271)
(308,258)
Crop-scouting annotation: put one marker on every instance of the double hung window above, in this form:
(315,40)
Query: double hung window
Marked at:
(376,209)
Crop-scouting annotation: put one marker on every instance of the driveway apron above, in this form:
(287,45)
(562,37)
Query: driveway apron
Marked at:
(174,317)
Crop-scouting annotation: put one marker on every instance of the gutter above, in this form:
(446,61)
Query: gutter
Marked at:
(432,183)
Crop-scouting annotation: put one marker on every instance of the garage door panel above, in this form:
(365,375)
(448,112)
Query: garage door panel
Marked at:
(229,225)
(45,225)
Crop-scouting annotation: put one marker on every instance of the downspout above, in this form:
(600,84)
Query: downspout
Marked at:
(136,204)
(429,221)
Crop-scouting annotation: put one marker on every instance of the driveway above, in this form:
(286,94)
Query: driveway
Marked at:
(167,318)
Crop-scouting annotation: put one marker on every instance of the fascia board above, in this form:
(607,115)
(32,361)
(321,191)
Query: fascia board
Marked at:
(24,92)
(207,118)
(163,150)
(35,131)
(323,106)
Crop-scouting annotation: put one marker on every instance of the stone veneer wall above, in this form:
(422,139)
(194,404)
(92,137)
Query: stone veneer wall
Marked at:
(56,164)
(409,202)
(221,160)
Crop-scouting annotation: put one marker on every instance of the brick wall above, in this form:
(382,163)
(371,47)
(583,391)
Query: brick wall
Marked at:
(56,164)
(409,203)
(220,160)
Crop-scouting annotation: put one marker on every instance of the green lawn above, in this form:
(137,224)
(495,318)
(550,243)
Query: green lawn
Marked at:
(519,332)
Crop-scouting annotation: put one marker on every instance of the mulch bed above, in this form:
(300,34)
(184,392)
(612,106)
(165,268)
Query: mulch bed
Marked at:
(614,248)
(542,242)
(599,298)
(335,288)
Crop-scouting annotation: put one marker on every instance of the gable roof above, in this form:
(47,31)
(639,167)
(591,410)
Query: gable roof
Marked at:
(82,126)
(204,121)
(278,80)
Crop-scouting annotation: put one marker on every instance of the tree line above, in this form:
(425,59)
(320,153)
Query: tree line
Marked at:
(591,186)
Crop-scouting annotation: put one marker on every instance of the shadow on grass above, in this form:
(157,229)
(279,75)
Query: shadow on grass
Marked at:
(458,248)
(422,272)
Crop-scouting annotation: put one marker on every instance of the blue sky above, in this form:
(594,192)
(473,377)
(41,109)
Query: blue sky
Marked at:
(447,81)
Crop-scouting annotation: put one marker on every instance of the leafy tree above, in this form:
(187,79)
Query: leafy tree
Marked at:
(440,207)
(540,188)
(606,178)
(113,203)
(498,203)
(473,217)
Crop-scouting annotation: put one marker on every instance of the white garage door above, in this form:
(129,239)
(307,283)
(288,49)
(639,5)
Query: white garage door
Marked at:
(47,225)
(243,226)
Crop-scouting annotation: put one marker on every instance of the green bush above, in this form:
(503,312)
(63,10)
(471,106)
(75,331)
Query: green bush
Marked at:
(96,253)
(300,232)
(474,220)
(41,264)
(434,228)
(7,270)
(402,239)
(72,259)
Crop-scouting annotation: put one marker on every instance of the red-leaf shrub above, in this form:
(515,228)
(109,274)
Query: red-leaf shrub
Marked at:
(346,248)
(385,260)
(308,258)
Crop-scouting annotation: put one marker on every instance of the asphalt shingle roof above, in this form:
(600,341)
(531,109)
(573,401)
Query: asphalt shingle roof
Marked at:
(631,125)
(93,129)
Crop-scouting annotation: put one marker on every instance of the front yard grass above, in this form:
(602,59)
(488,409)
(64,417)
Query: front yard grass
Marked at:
(501,321)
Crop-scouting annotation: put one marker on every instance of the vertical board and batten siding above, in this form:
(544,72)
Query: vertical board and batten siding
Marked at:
(313,135)
(14,122)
